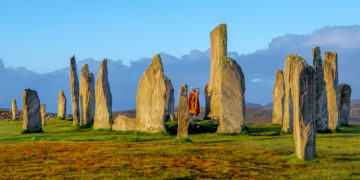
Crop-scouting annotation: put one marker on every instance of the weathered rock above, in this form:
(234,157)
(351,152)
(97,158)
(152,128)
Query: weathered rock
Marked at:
(31,111)
(170,101)
(61,104)
(321,114)
(74,87)
(344,93)
(289,70)
(218,38)
(43,114)
(103,111)
(232,104)
(278,98)
(14,109)
(87,96)
(304,102)
(331,81)
(124,123)
(183,113)
(150,100)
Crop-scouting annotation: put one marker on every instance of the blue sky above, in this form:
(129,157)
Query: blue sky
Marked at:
(42,35)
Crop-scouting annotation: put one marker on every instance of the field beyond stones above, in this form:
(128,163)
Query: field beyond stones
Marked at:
(65,151)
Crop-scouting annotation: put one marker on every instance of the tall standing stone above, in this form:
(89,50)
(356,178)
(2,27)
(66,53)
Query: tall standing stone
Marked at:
(218,38)
(151,98)
(61,104)
(14,109)
(74,85)
(170,101)
(304,102)
(321,114)
(103,110)
(183,113)
(232,99)
(331,81)
(344,93)
(87,96)
(31,111)
(289,70)
(278,98)
(43,114)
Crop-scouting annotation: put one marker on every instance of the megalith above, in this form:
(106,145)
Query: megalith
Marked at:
(31,111)
(304,103)
(183,113)
(43,114)
(218,48)
(278,98)
(170,101)
(87,96)
(103,110)
(344,93)
(74,88)
(151,98)
(232,100)
(321,113)
(14,109)
(61,105)
(331,81)
(124,123)
(289,69)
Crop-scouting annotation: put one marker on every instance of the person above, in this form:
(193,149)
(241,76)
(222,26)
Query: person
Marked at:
(194,103)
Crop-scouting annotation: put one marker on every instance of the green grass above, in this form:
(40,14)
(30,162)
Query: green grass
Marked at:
(66,151)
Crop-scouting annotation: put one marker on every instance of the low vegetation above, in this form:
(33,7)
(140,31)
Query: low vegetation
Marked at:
(65,151)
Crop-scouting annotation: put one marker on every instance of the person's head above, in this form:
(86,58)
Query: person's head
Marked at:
(192,90)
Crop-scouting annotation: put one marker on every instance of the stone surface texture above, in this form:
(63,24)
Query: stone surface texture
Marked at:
(331,81)
(87,96)
(74,88)
(183,113)
(304,103)
(278,98)
(61,104)
(103,97)
(31,111)
(344,93)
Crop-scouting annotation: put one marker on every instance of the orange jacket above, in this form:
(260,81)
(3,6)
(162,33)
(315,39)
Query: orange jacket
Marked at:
(194,104)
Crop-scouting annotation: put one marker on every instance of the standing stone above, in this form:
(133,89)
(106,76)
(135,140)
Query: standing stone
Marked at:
(232,100)
(207,100)
(183,113)
(43,114)
(304,102)
(61,104)
(87,96)
(103,111)
(31,111)
(344,93)
(331,81)
(74,85)
(321,114)
(151,98)
(278,98)
(14,109)
(289,70)
(170,101)
(218,38)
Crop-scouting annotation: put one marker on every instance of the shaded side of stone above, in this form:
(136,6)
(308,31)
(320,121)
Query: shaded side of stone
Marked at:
(31,111)
(344,93)
(304,102)
(74,88)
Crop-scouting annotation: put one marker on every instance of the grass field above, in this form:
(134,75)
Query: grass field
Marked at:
(64,151)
